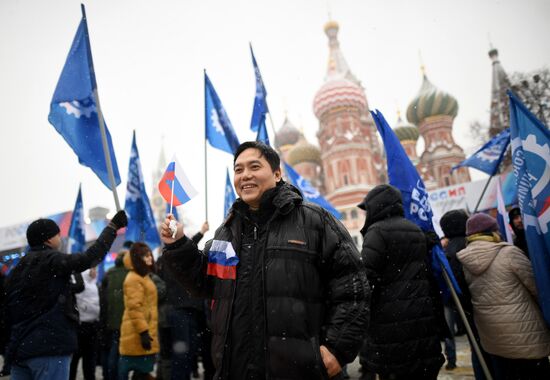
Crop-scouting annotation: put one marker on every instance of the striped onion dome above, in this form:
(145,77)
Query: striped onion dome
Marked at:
(431,101)
(405,131)
(303,151)
(338,92)
(288,134)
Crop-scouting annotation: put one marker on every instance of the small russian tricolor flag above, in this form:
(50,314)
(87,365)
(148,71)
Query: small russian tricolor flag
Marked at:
(174,186)
(222,260)
(502,216)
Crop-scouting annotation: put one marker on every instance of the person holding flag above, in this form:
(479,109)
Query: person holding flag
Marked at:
(502,285)
(41,308)
(403,337)
(290,298)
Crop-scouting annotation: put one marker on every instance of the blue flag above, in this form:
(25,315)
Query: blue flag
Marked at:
(310,193)
(219,131)
(230,196)
(262,134)
(260,103)
(73,109)
(174,211)
(489,156)
(403,175)
(531,160)
(76,239)
(141,222)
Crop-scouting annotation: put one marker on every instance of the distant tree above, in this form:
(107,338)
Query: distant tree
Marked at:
(534,91)
(479,132)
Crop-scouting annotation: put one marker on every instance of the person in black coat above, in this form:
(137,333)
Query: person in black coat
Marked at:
(41,306)
(289,294)
(403,336)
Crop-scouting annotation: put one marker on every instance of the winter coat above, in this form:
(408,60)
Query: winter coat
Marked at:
(41,306)
(403,332)
(502,285)
(113,295)
(140,313)
(306,285)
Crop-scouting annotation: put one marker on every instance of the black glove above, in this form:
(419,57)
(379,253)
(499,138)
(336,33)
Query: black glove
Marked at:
(120,220)
(145,340)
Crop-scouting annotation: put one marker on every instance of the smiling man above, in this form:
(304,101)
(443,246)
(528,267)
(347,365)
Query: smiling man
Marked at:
(289,295)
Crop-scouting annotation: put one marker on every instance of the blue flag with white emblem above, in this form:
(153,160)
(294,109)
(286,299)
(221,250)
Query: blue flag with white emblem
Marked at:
(262,135)
(403,175)
(76,239)
(141,221)
(73,111)
(260,102)
(310,193)
(489,156)
(531,160)
(230,196)
(219,131)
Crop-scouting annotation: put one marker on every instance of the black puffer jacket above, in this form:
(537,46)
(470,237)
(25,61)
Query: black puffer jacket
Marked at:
(312,287)
(41,306)
(402,336)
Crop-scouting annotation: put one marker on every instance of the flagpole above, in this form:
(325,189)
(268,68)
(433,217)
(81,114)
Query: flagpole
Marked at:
(205,156)
(473,340)
(172,195)
(102,123)
(272,125)
(483,193)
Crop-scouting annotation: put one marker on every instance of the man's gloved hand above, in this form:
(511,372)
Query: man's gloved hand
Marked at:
(120,220)
(145,340)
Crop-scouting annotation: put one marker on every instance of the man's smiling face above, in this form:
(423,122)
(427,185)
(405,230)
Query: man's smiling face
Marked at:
(254,176)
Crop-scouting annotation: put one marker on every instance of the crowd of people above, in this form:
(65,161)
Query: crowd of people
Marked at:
(280,292)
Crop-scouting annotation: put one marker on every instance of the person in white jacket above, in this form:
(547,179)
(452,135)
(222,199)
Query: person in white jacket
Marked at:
(88,309)
(504,298)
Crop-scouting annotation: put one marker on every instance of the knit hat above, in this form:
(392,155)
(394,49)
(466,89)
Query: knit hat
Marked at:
(478,223)
(453,223)
(41,230)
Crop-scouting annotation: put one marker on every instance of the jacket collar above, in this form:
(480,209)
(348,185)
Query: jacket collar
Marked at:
(280,199)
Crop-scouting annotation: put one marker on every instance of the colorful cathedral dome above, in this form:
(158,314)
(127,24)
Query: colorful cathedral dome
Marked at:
(405,131)
(303,151)
(288,134)
(338,92)
(341,87)
(431,101)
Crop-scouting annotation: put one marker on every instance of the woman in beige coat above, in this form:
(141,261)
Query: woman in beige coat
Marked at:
(138,332)
(504,297)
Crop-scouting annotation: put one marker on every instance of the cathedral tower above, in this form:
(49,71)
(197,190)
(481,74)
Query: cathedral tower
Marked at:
(350,151)
(433,111)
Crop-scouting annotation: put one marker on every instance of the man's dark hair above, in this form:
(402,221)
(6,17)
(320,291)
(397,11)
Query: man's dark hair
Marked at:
(266,151)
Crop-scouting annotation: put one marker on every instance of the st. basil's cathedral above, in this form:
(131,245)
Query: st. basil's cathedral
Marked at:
(350,159)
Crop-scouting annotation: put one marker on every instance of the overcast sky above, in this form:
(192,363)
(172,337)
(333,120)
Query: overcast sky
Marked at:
(149,58)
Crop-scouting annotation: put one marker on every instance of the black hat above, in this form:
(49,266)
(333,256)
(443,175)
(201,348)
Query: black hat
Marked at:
(453,223)
(41,230)
(513,213)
